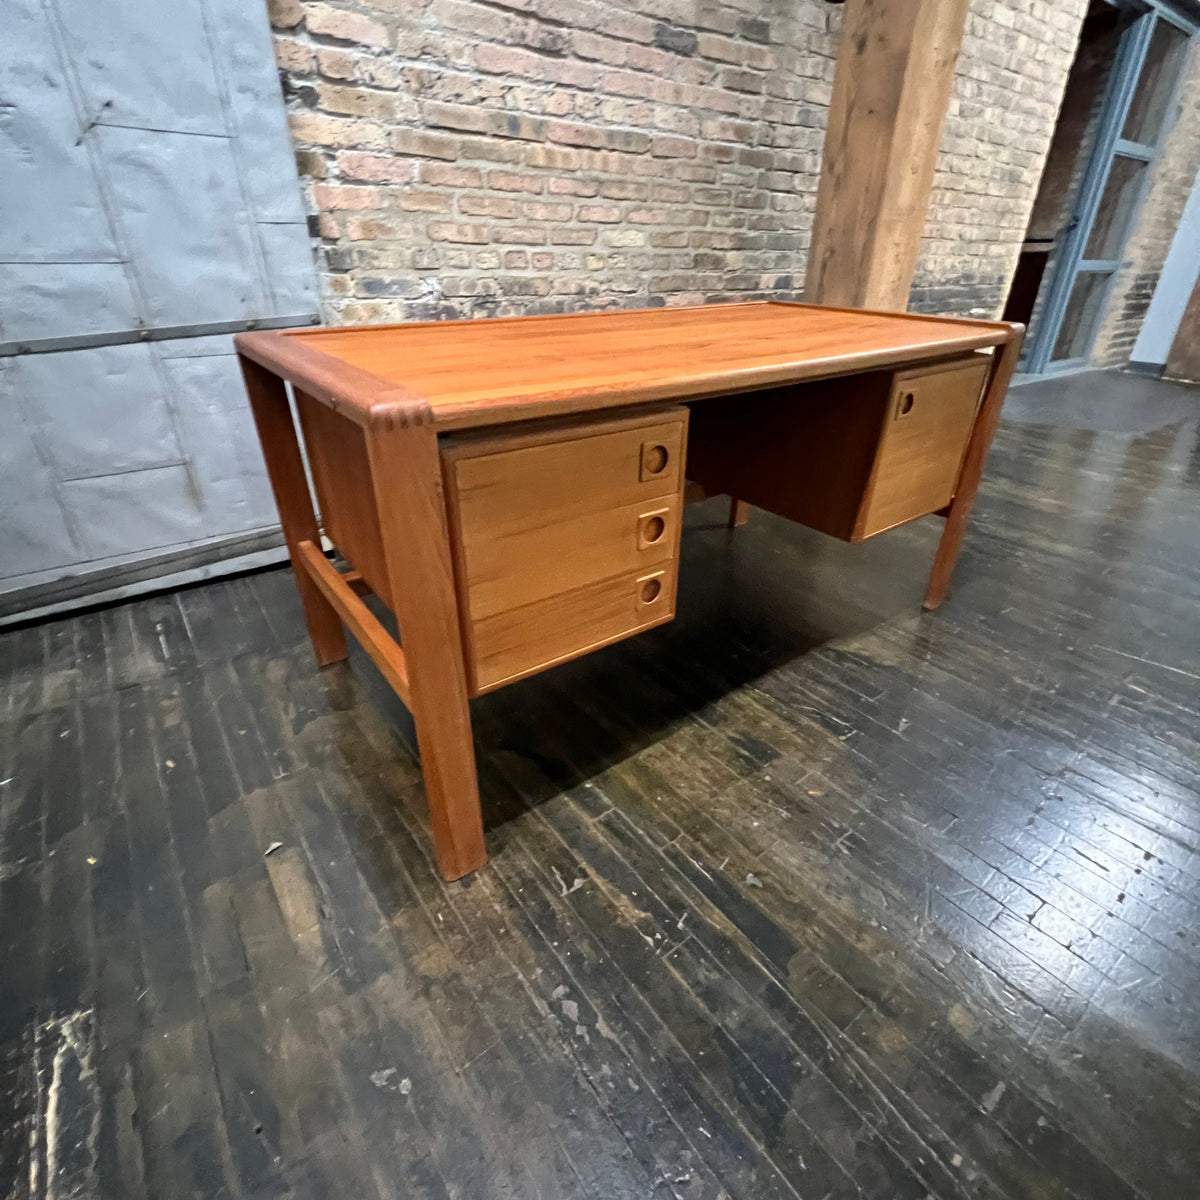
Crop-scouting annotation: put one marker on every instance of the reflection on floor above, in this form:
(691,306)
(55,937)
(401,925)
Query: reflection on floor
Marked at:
(1104,401)
(808,894)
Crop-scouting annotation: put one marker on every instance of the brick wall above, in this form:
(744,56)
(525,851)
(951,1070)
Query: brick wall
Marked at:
(1156,222)
(465,157)
(1008,85)
(471,158)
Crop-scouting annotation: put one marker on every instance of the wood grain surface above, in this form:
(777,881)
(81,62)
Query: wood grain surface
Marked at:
(483,372)
(926,427)
(891,89)
(500,559)
(557,534)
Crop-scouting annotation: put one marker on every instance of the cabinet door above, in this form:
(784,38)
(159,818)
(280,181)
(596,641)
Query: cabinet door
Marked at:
(929,418)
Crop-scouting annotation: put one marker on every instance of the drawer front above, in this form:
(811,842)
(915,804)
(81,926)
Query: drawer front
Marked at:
(523,640)
(929,417)
(552,532)
(523,486)
(509,570)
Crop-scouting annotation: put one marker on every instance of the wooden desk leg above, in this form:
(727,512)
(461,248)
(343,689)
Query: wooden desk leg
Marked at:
(739,512)
(972,468)
(285,469)
(406,473)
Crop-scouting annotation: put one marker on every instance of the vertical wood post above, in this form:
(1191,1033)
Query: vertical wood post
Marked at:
(406,474)
(891,88)
(285,469)
(986,421)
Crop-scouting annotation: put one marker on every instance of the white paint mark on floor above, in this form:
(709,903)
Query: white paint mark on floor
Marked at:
(64,1134)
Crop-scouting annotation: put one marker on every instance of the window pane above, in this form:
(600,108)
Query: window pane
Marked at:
(1116,207)
(1082,315)
(1164,58)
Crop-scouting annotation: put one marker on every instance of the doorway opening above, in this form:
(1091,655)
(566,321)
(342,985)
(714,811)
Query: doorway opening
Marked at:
(1116,105)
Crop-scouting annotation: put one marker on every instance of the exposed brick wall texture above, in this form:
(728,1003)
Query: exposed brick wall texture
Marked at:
(470,158)
(1009,81)
(1154,227)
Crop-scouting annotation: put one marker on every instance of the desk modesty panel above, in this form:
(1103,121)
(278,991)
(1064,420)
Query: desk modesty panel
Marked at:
(512,489)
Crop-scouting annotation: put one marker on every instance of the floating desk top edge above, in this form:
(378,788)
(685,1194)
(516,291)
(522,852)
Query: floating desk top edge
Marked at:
(351,367)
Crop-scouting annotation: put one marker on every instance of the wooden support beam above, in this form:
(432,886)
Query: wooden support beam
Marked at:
(891,88)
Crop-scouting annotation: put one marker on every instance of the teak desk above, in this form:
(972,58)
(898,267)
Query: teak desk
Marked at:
(512,489)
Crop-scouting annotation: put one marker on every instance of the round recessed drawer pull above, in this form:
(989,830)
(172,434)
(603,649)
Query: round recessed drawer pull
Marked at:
(906,403)
(653,529)
(656,459)
(650,590)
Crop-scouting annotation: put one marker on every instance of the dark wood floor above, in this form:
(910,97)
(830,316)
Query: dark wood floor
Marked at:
(808,894)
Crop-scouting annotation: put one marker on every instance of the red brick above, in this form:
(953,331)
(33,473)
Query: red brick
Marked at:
(336,131)
(506,60)
(568,186)
(670,193)
(607,213)
(649,216)
(423,145)
(465,118)
(491,149)
(327,21)
(448,231)
(365,229)
(571,235)
(285,14)
(673,147)
(293,56)
(437,202)
(487,206)
(575,134)
(741,81)
(336,64)
(507,181)
(375,168)
(554,157)
(540,210)
(355,101)
(624,189)
(526,235)
(451,176)
(330,196)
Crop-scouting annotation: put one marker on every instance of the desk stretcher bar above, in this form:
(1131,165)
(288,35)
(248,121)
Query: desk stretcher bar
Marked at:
(512,489)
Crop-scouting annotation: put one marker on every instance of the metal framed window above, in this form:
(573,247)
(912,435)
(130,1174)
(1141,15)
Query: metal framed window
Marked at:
(1139,96)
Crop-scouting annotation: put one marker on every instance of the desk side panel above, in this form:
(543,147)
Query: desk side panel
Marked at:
(337,454)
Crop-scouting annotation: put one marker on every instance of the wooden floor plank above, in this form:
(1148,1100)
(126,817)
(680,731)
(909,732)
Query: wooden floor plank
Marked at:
(807,893)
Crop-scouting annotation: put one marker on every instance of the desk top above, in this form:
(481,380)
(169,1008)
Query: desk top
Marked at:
(490,371)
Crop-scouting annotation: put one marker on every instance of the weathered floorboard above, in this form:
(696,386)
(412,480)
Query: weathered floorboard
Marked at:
(808,894)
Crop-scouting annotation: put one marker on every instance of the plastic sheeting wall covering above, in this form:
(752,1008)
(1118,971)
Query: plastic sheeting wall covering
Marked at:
(149,197)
